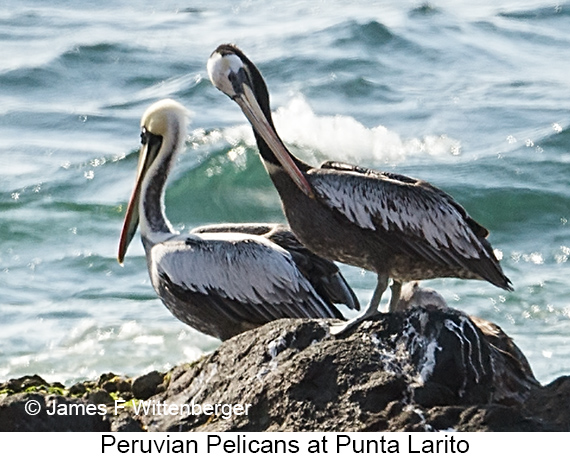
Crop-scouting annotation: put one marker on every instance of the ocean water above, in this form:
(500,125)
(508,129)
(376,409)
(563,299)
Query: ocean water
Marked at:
(474,98)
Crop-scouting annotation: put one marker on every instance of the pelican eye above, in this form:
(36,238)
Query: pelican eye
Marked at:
(144,135)
(238,79)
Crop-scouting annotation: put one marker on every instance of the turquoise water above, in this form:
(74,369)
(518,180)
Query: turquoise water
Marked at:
(474,99)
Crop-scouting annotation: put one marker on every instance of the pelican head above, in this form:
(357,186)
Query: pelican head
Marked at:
(163,130)
(236,76)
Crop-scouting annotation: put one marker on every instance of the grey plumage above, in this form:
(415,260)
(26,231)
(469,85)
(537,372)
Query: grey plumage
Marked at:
(219,282)
(323,274)
(225,283)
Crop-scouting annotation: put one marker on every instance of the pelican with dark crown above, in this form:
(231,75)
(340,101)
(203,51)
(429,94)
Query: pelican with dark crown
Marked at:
(221,281)
(402,228)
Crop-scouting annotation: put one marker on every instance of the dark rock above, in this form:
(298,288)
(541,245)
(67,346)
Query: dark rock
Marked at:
(73,414)
(98,397)
(109,386)
(551,403)
(117,384)
(123,386)
(77,389)
(23,383)
(124,422)
(498,418)
(147,385)
(423,369)
(297,377)
(105,377)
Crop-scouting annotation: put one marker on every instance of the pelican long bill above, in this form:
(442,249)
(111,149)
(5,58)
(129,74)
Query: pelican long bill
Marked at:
(148,152)
(248,104)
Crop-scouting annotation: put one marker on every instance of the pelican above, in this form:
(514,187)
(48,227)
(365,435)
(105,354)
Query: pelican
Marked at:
(220,282)
(399,227)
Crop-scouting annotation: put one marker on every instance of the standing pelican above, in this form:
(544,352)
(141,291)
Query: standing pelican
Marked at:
(219,283)
(399,227)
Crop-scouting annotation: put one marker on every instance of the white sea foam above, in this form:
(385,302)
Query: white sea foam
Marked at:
(343,138)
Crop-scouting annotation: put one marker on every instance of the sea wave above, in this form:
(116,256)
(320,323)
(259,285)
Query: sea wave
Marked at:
(557,10)
(341,138)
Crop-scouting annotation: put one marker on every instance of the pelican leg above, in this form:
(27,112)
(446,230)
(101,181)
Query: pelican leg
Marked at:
(395,297)
(371,309)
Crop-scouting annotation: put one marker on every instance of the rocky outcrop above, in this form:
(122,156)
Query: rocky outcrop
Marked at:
(422,369)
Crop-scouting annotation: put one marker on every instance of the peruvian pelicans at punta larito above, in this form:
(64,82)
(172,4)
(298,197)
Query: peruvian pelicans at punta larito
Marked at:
(402,228)
(226,279)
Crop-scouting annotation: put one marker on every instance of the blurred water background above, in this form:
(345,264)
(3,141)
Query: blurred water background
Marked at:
(473,97)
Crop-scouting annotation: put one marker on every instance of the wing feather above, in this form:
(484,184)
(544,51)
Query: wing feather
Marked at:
(323,274)
(429,220)
(249,276)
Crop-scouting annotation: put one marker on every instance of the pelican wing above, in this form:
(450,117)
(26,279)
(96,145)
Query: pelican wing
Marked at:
(323,274)
(248,278)
(426,220)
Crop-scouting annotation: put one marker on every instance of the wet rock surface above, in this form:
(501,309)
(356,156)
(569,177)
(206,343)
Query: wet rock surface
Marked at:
(421,370)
